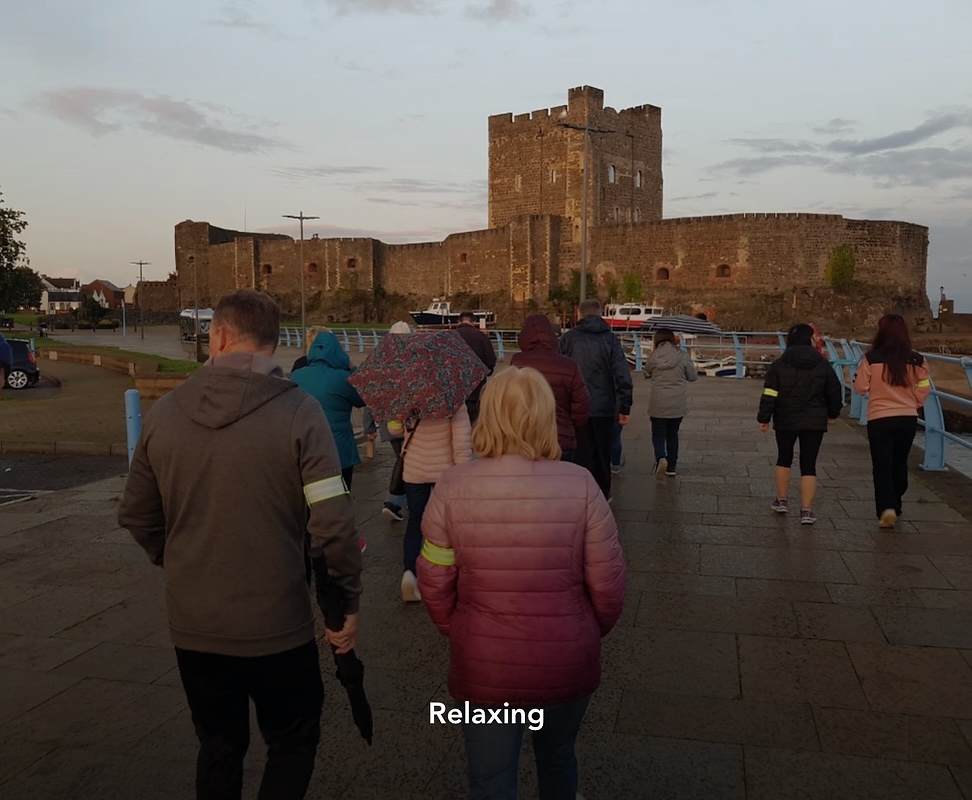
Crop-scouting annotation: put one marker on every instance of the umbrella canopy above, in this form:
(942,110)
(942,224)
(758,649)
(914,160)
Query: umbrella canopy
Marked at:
(424,375)
(350,670)
(683,324)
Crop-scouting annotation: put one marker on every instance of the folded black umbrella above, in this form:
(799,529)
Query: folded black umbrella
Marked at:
(350,669)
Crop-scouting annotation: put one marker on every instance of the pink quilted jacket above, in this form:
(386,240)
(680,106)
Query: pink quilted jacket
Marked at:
(523,571)
(435,446)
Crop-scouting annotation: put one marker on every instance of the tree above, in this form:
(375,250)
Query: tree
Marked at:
(840,267)
(92,310)
(19,285)
(631,290)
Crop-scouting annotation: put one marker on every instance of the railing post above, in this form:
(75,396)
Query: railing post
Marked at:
(934,434)
(374,333)
(500,351)
(360,340)
(133,420)
(347,341)
(781,339)
(740,366)
(637,351)
(966,364)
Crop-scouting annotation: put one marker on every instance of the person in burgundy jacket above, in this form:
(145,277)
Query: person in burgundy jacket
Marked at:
(538,349)
(522,569)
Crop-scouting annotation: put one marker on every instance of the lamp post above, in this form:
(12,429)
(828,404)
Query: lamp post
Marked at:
(303,315)
(195,305)
(141,311)
(588,130)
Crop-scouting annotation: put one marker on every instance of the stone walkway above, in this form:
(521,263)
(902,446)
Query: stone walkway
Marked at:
(755,659)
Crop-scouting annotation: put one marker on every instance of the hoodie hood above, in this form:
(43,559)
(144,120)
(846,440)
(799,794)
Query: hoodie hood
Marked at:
(802,356)
(327,350)
(230,387)
(537,334)
(665,356)
(593,325)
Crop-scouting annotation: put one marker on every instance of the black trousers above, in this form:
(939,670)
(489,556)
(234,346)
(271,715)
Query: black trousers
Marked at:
(288,694)
(890,439)
(664,439)
(810,442)
(594,441)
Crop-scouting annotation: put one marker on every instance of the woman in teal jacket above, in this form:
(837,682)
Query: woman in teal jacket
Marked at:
(326,378)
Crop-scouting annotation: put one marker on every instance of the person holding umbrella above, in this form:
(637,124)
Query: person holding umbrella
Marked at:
(542,582)
(424,380)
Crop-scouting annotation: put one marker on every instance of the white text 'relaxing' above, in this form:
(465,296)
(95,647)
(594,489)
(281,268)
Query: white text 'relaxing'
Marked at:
(531,717)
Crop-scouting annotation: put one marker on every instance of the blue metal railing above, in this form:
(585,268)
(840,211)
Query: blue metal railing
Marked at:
(933,423)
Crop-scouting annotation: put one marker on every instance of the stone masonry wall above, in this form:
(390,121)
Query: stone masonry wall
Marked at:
(536,165)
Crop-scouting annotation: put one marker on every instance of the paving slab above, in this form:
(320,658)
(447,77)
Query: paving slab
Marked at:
(772,774)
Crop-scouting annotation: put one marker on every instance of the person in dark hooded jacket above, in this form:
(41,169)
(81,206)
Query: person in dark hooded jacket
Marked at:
(597,350)
(538,344)
(801,395)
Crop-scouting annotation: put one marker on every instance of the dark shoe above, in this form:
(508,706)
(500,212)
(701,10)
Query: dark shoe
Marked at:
(781,505)
(807,517)
(393,511)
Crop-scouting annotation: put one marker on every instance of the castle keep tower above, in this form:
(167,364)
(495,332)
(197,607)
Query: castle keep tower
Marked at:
(536,162)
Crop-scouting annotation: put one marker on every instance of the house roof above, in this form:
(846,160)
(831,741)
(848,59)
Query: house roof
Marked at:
(64,297)
(62,283)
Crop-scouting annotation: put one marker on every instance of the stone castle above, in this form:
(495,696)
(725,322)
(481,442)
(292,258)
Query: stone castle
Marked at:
(727,265)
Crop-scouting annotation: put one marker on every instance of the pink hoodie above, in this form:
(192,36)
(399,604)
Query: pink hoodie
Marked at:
(885,400)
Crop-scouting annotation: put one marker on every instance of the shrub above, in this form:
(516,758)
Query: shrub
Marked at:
(840,267)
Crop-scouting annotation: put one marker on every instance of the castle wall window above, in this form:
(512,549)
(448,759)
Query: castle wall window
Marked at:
(723,271)
(662,274)
(266,269)
(352,263)
(637,215)
(553,176)
(612,174)
(463,258)
(518,183)
(617,214)
(638,179)
(312,268)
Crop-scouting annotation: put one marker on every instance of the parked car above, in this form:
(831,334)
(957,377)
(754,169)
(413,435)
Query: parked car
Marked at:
(25,371)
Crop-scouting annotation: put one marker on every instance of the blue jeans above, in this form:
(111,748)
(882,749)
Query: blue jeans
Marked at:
(664,439)
(493,754)
(418,495)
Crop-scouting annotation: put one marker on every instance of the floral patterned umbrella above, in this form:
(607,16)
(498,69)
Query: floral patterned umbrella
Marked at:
(424,375)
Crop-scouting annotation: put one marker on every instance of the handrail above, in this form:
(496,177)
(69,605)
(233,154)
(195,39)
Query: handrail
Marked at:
(936,434)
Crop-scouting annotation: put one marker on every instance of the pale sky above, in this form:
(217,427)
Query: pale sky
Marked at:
(121,118)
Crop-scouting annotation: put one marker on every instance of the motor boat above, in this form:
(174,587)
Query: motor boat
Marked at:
(631,316)
(440,313)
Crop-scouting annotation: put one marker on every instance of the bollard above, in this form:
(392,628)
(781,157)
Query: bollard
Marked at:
(133,420)
(934,460)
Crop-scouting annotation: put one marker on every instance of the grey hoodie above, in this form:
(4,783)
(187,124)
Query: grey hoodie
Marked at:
(670,371)
(216,495)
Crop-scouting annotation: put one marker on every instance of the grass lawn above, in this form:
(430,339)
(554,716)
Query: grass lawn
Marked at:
(165,364)
(24,319)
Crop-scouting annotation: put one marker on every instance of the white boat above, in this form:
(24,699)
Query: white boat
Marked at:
(440,312)
(631,316)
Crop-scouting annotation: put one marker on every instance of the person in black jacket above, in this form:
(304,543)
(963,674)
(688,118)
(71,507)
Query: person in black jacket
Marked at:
(801,395)
(482,347)
(597,350)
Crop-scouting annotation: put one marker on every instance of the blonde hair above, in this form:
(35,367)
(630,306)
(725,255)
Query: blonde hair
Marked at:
(517,414)
(312,335)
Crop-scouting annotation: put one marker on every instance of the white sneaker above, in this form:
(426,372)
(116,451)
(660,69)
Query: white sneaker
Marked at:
(410,590)
(661,469)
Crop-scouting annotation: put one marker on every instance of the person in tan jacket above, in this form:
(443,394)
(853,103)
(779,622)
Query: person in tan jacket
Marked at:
(432,446)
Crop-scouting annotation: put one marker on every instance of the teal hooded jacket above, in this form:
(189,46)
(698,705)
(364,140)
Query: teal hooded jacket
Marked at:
(326,378)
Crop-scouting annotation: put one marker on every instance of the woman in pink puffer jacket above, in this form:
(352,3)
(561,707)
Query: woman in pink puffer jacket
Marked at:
(522,570)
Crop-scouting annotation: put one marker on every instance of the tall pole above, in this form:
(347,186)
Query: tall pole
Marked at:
(141,311)
(195,305)
(303,313)
(587,177)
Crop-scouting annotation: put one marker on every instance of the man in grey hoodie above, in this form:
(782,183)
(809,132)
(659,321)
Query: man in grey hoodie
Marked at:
(218,495)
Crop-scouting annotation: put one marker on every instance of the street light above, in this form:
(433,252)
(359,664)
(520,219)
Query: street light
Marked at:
(587,131)
(303,316)
(195,306)
(141,312)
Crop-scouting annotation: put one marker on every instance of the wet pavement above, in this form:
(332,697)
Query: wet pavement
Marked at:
(756,658)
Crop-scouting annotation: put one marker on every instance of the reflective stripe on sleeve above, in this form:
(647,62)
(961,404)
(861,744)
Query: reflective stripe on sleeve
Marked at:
(922,384)
(771,392)
(442,556)
(325,489)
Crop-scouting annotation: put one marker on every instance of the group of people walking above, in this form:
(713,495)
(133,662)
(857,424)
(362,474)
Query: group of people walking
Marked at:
(241,478)
(802,396)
